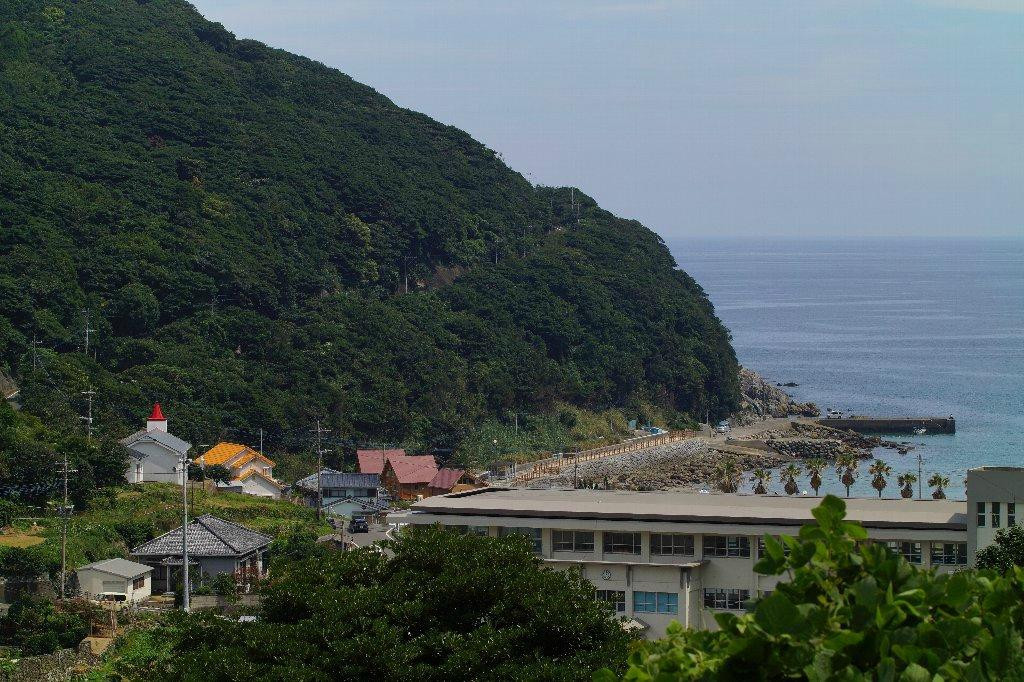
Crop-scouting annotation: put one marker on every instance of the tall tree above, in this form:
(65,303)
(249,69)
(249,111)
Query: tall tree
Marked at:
(789,474)
(940,483)
(814,467)
(847,469)
(906,482)
(880,472)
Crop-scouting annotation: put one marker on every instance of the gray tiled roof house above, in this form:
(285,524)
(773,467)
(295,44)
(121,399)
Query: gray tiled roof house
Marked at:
(330,478)
(208,536)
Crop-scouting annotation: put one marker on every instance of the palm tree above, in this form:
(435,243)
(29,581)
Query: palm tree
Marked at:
(789,474)
(906,482)
(729,476)
(760,478)
(939,482)
(846,467)
(814,467)
(879,470)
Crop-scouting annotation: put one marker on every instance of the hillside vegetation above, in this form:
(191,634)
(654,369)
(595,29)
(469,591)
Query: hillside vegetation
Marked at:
(257,241)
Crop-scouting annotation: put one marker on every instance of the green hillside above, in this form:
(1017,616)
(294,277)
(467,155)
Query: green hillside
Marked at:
(240,226)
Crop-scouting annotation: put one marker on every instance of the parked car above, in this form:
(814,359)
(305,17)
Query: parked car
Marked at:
(723,427)
(358,524)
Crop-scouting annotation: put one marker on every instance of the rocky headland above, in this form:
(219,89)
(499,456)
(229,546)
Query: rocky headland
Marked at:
(763,400)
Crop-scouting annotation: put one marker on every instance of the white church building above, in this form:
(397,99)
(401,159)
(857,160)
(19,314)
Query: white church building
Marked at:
(155,455)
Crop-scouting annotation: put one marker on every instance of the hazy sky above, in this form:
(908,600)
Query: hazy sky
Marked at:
(772,117)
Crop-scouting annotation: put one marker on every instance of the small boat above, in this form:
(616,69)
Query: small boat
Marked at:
(920,432)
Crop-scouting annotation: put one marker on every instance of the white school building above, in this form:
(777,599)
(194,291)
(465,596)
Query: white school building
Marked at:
(664,556)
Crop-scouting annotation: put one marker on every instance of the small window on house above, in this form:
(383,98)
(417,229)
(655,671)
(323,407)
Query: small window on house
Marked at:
(534,534)
(911,551)
(995,515)
(725,599)
(572,540)
(139,583)
(622,543)
(482,531)
(617,598)
(760,546)
(1011,513)
(949,554)
(655,602)
(671,544)
(727,546)
(981,514)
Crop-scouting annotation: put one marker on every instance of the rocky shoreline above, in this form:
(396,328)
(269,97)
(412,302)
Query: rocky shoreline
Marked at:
(763,400)
(706,461)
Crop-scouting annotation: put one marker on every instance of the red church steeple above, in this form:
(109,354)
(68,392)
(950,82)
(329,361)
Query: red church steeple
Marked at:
(157,421)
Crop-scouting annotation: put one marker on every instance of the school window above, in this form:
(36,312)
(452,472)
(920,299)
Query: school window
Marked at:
(671,544)
(622,543)
(532,533)
(1011,513)
(760,546)
(727,546)
(655,602)
(981,514)
(949,553)
(725,599)
(911,551)
(139,583)
(995,514)
(572,540)
(617,598)
(481,531)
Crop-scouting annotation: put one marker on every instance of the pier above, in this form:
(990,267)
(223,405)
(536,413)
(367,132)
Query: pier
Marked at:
(892,424)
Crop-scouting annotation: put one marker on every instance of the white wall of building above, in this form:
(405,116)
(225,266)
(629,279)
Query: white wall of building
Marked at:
(93,582)
(685,576)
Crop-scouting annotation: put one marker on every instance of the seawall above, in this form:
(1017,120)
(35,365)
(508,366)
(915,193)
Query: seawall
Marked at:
(892,424)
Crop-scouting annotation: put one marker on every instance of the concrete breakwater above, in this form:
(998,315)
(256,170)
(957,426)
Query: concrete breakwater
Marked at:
(892,424)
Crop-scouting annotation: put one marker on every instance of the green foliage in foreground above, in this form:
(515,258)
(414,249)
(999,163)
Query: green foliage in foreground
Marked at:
(35,626)
(242,224)
(446,607)
(851,610)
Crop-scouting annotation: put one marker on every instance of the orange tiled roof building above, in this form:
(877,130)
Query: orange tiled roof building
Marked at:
(250,469)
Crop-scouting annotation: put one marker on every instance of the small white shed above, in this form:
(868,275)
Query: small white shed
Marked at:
(115,577)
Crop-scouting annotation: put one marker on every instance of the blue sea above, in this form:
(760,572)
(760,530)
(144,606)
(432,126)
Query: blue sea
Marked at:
(914,327)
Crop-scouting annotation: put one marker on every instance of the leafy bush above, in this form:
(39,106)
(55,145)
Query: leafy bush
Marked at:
(36,626)
(851,610)
(446,607)
(1006,552)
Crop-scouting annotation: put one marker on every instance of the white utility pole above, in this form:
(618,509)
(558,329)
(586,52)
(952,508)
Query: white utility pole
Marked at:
(88,330)
(319,467)
(65,513)
(88,417)
(184,461)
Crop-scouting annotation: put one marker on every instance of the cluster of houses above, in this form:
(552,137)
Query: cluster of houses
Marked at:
(384,475)
(217,546)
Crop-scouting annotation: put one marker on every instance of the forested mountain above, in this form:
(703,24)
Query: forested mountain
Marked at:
(257,240)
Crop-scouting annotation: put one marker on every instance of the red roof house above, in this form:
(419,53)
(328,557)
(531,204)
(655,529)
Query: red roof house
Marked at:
(407,477)
(444,480)
(373,461)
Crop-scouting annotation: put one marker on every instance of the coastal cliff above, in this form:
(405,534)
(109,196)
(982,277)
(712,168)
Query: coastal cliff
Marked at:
(763,400)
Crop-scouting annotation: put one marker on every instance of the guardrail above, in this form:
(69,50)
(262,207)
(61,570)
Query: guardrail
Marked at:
(553,466)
